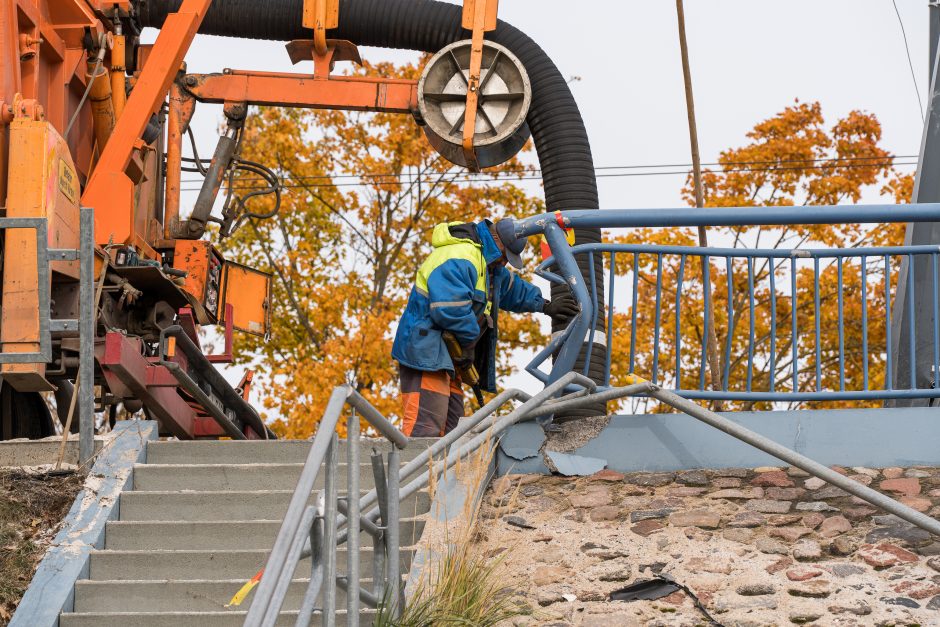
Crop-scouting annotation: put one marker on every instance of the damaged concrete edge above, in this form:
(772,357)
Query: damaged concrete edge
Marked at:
(669,442)
(52,589)
(448,507)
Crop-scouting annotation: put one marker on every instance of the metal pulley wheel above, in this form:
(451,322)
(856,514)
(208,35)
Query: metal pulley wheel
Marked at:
(504,97)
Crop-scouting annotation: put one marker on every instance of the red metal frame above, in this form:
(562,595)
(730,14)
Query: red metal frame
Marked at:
(126,370)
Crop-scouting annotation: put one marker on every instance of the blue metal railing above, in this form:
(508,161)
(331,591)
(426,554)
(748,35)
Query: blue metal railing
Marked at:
(792,325)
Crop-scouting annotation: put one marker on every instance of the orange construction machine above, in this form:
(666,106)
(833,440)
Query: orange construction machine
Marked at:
(92,120)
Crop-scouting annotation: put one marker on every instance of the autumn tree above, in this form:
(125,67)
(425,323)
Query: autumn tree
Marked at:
(362,192)
(791,159)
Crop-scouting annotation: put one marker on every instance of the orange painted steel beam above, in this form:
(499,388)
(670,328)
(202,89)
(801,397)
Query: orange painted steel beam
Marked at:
(349,93)
(174,152)
(110,191)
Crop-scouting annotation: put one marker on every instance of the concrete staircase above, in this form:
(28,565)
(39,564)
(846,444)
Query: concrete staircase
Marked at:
(199,523)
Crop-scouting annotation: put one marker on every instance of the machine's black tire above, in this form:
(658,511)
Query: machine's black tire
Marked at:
(23,415)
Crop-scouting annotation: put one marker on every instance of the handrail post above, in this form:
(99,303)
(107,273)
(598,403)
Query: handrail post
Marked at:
(378,543)
(352,508)
(329,574)
(393,559)
(568,267)
(316,563)
(86,337)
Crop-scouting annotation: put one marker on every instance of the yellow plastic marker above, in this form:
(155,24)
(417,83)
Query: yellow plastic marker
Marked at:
(633,379)
(245,590)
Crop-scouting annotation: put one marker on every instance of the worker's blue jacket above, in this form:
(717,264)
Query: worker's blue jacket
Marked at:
(455,290)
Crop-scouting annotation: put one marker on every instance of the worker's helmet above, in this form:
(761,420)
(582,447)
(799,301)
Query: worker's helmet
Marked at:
(512,245)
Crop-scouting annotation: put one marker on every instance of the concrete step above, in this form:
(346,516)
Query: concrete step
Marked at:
(228,505)
(264,452)
(179,596)
(186,565)
(190,619)
(216,535)
(235,476)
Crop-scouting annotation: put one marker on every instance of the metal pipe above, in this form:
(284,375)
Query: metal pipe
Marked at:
(174,160)
(195,226)
(856,395)
(316,565)
(377,420)
(365,525)
(378,542)
(749,253)
(731,216)
(364,595)
(795,459)
(118,53)
(504,423)
(352,504)
(568,268)
(463,427)
(284,577)
(393,559)
(86,334)
(603,397)
(329,570)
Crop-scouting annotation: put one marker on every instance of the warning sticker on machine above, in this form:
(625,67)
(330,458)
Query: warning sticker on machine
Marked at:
(68,182)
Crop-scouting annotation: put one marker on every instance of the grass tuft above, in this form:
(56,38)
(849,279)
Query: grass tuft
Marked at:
(463,587)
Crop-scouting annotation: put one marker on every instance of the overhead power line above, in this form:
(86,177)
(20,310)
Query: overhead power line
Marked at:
(910,64)
(529,176)
(606,171)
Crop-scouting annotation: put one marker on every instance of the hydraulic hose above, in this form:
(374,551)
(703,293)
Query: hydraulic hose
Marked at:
(558,131)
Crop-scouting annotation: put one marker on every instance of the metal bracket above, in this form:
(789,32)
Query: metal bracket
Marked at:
(44,256)
(479,16)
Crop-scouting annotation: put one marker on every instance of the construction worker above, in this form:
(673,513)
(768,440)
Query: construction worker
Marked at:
(458,290)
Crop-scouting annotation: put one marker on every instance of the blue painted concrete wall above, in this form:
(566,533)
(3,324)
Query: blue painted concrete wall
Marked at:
(657,442)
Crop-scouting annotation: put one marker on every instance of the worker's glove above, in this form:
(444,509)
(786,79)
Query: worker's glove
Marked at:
(563,308)
(466,357)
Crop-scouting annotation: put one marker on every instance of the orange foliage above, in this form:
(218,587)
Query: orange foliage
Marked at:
(790,159)
(364,191)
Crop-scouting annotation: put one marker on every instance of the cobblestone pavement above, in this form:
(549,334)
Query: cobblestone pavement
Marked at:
(764,546)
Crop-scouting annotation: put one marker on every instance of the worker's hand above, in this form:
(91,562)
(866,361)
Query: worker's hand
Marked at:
(466,357)
(563,308)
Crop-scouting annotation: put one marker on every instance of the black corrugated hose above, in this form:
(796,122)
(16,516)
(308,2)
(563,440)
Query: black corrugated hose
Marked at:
(427,25)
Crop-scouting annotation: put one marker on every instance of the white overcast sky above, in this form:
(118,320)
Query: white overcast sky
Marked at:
(750,59)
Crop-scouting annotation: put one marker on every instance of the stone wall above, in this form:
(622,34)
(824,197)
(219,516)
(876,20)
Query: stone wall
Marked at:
(757,546)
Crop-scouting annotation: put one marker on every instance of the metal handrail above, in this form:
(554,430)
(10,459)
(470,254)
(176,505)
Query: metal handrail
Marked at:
(316,525)
(317,530)
(782,286)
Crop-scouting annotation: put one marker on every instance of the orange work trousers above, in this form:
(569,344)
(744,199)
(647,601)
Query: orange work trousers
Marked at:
(432,402)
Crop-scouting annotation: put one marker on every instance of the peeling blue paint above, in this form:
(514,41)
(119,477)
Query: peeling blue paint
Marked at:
(523,441)
(576,465)
(666,442)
